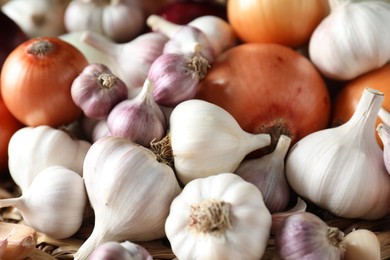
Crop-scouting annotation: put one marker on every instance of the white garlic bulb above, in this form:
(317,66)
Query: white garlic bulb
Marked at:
(333,167)
(352,40)
(207,140)
(220,217)
(129,191)
(54,202)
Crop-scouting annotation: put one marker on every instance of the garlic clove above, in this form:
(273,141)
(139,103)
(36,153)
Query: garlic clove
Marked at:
(139,120)
(267,173)
(362,244)
(21,240)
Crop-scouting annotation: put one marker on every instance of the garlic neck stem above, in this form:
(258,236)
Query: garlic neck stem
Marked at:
(335,4)
(147,89)
(159,24)
(282,147)
(210,216)
(367,109)
(100,43)
(11,202)
(95,239)
(384,115)
(256,141)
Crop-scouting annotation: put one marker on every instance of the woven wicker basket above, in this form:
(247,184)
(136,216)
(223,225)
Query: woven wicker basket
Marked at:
(48,248)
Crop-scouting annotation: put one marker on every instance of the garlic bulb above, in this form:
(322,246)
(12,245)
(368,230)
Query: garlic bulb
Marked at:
(176,77)
(362,244)
(334,166)
(96,90)
(92,54)
(38,18)
(182,38)
(207,140)
(384,134)
(129,191)
(129,61)
(220,217)
(54,203)
(139,119)
(219,32)
(305,236)
(32,149)
(119,20)
(352,40)
(20,241)
(120,251)
(268,174)
(279,217)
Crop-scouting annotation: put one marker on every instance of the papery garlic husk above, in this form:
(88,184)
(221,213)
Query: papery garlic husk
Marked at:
(32,149)
(54,202)
(130,61)
(305,236)
(362,244)
(207,140)
(352,39)
(20,240)
(267,173)
(175,77)
(384,134)
(38,18)
(129,191)
(220,217)
(335,166)
(140,119)
(96,90)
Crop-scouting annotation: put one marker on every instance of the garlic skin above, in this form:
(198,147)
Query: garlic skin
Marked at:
(54,203)
(139,119)
(267,173)
(132,201)
(119,20)
(176,76)
(362,244)
(38,18)
(32,149)
(352,39)
(220,217)
(334,166)
(20,240)
(384,134)
(305,236)
(96,90)
(207,140)
(130,61)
